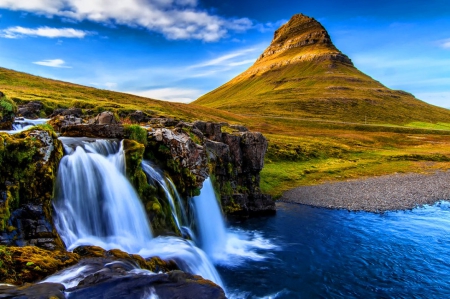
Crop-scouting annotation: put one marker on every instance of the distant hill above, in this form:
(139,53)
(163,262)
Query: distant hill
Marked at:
(302,74)
(22,88)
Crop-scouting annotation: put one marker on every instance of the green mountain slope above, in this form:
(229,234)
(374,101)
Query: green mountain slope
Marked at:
(302,74)
(22,87)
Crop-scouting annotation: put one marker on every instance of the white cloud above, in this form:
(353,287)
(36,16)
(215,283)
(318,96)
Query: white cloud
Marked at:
(445,43)
(171,94)
(59,63)
(228,59)
(18,32)
(176,19)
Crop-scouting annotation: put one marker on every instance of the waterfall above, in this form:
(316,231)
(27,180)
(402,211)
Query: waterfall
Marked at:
(224,246)
(209,219)
(22,124)
(154,174)
(95,203)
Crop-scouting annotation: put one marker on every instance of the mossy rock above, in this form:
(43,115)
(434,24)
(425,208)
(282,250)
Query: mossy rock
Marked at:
(19,265)
(29,162)
(158,212)
(8,110)
(154,264)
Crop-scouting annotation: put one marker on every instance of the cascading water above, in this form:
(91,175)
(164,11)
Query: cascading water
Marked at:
(96,205)
(151,172)
(22,124)
(222,245)
(209,219)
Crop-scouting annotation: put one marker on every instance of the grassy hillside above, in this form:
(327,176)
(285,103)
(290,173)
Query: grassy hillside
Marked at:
(301,151)
(22,87)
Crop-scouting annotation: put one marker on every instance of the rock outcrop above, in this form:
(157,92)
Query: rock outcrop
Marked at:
(31,110)
(29,162)
(236,160)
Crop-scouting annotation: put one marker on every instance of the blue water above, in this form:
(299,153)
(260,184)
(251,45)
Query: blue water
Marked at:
(339,254)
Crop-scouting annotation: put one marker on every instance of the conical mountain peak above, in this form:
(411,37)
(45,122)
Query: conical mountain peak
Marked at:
(302,74)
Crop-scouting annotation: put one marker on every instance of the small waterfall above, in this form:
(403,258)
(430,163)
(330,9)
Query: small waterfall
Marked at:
(167,185)
(22,124)
(210,222)
(224,246)
(95,203)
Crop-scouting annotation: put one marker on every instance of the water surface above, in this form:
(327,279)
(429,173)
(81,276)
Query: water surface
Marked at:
(339,254)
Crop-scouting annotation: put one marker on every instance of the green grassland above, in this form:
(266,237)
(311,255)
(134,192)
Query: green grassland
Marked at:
(302,151)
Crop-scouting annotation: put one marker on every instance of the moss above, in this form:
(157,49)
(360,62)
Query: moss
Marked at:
(137,133)
(27,172)
(27,264)
(157,212)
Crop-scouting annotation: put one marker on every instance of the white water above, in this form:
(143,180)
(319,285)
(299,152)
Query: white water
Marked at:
(156,176)
(20,125)
(222,245)
(96,205)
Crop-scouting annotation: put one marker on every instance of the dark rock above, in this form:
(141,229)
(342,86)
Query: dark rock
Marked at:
(116,281)
(32,228)
(254,147)
(212,131)
(76,112)
(93,130)
(139,117)
(31,110)
(105,118)
(237,162)
(184,157)
(37,291)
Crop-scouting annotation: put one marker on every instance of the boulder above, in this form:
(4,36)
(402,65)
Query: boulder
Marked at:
(212,131)
(105,118)
(139,117)
(93,130)
(76,112)
(31,110)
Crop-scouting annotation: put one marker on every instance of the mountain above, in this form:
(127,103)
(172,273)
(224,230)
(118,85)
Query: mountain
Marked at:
(302,74)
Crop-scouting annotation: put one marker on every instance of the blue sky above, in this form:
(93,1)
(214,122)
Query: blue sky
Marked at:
(180,49)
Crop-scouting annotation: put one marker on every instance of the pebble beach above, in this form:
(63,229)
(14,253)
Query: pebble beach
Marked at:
(377,194)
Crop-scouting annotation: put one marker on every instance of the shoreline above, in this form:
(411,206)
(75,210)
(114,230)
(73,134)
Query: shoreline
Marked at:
(377,194)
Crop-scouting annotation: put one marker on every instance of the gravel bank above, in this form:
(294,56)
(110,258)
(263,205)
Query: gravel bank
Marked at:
(378,194)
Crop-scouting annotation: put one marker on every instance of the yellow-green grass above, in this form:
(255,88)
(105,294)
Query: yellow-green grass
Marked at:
(435,126)
(22,87)
(301,151)
(338,155)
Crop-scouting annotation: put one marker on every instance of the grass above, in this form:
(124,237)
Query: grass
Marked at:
(302,150)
